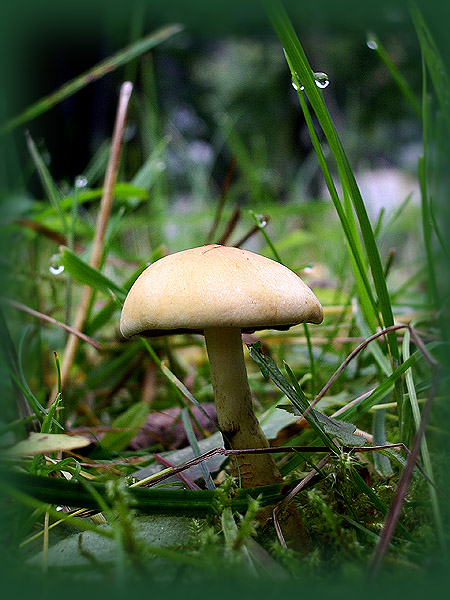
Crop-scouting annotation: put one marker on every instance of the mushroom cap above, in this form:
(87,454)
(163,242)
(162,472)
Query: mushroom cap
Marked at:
(216,286)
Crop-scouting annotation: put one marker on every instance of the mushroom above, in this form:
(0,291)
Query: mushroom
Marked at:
(221,292)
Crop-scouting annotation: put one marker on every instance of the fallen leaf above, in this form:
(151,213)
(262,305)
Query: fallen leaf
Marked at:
(41,443)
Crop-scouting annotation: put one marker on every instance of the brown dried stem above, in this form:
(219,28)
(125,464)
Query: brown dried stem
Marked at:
(100,230)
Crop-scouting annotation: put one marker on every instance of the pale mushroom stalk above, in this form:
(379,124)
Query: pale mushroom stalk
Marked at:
(235,415)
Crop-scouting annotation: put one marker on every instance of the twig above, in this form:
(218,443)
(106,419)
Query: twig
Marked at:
(158,478)
(102,221)
(186,480)
(44,317)
(358,349)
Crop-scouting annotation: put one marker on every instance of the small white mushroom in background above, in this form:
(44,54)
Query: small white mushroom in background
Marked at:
(221,292)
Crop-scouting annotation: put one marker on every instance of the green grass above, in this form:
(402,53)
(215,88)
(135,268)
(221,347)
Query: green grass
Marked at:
(382,385)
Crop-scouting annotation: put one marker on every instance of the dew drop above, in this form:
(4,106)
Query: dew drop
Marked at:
(81,182)
(295,86)
(262,220)
(371,41)
(322,80)
(56,270)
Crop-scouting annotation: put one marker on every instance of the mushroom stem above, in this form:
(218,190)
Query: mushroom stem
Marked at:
(235,414)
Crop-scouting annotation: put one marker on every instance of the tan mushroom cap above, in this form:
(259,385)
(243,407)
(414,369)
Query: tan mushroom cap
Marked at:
(216,286)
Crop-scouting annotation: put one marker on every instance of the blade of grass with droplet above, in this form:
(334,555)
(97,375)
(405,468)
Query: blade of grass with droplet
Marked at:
(375,44)
(104,67)
(125,192)
(301,69)
(271,245)
(350,230)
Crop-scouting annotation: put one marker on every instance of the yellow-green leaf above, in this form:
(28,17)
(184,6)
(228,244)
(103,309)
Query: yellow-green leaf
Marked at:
(42,443)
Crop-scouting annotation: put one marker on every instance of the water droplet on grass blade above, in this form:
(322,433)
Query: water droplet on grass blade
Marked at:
(371,41)
(295,86)
(262,220)
(322,80)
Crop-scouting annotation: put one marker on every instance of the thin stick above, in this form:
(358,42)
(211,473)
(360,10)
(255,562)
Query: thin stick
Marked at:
(157,478)
(186,480)
(102,221)
(358,349)
(44,317)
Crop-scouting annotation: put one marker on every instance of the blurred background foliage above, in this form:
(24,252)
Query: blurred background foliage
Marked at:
(218,89)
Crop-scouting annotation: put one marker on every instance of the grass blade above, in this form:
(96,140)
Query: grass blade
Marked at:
(195,448)
(301,69)
(145,500)
(108,65)
(90,276)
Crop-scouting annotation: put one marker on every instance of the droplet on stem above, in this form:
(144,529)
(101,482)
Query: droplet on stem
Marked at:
(81,182)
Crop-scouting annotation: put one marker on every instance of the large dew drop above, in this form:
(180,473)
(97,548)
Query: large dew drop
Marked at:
(81,182)
(322,80)
(56,270)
